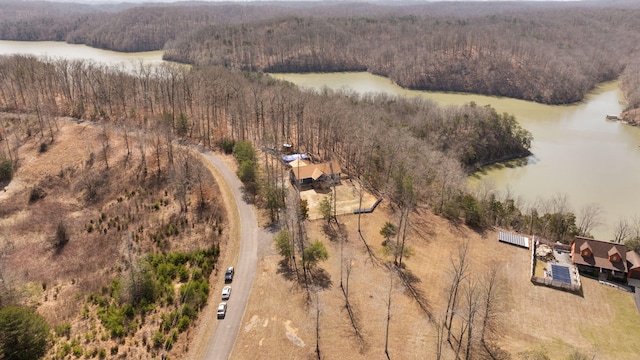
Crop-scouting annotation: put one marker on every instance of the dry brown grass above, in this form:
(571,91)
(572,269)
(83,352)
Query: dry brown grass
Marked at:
(58,281)
(280,320)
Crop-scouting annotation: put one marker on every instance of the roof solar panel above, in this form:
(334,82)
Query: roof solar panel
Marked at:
(561,273)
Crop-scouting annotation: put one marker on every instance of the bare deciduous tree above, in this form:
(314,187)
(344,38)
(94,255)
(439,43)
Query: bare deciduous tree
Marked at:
(589,218)
(458,272)
(105,143)
(621,231)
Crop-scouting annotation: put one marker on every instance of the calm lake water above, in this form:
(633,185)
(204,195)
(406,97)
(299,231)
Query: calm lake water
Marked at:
(576,152)
(54,50)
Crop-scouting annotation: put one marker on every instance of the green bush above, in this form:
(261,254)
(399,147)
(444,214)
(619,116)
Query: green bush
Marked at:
(196,275)
(6,169)
(183,273)
(189,311)
(195,293)
(24,333)
(113,320)
(472,211)
(168,320)
(227,145)
(244,151)
(166,272)
(177,258)
(63,329)
(157,339)
(183,324)
(77,351)
(172,338)
(64,350)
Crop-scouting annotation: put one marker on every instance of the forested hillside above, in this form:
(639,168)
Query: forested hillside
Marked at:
(210,104)
(393,145)
(548,56)
(547,52)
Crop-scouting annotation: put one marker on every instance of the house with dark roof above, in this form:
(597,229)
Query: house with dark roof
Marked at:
(633,268)
(599,258)
(327,173)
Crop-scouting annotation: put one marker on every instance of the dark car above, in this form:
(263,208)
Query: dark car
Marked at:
(228,275)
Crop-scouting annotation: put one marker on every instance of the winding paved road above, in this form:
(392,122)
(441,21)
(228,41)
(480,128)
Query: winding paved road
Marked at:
(221,344)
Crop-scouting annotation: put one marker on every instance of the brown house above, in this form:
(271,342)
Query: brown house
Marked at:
(633,268)
(327,173)
(599,257)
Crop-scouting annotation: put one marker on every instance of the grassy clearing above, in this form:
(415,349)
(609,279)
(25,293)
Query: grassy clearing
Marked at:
(539,270)
(619,339)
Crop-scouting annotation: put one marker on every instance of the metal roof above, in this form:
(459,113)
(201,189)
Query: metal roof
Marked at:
(513,239)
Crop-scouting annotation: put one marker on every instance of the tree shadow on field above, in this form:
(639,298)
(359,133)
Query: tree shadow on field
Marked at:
(286,270)
(422,227)
(479,230)
(411,281)
(273,228)
(335,231)
(320,278)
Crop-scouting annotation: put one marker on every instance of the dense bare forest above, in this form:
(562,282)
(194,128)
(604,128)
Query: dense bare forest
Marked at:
(386,142)
(547,52)
(547,56)
(210,104)
(541,51)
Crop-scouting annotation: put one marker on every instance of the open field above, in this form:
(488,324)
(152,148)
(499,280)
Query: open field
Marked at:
(533,319)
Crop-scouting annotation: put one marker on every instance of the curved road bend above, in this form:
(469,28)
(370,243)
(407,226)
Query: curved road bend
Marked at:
(221,344)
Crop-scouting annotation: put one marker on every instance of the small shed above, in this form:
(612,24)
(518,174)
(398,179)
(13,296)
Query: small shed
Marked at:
(290,158)
(513,239)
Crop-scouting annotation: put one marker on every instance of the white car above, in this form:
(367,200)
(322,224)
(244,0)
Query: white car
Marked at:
(226,292)
(222,310)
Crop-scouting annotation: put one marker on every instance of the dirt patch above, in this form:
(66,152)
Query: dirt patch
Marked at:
(347,194)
